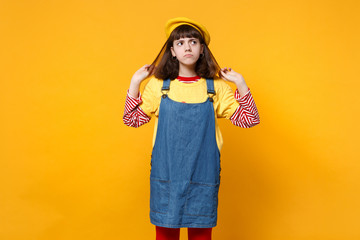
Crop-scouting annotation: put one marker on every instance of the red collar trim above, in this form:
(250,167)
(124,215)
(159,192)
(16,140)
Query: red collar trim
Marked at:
(188,78)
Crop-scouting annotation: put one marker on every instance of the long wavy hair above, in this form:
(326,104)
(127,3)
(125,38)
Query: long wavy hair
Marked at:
(167,67)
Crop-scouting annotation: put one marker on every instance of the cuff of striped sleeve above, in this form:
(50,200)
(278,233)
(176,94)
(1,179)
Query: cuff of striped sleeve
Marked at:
(237,95)
(131,103)
(136,99)
(246,115)
(247,100)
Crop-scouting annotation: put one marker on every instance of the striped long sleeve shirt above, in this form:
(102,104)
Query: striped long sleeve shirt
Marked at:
(245,116)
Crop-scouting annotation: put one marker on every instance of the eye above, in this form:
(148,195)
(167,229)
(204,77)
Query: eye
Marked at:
(194,41)
(179,43)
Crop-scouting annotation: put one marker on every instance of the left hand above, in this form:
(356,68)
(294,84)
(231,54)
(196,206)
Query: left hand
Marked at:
(231,75)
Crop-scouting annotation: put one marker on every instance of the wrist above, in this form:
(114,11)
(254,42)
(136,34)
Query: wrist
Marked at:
(239,80)
(241,84)
(133,95)
(242,88)
(135,82)
(134,88)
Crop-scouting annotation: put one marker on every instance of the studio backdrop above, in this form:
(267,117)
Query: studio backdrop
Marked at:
(71,170)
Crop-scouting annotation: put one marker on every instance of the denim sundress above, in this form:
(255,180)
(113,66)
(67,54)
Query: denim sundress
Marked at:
(185,164)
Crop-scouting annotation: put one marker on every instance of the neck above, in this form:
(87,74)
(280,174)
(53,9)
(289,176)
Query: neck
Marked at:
(187,71)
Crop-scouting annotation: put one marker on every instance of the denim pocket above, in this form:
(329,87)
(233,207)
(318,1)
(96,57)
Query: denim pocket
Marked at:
(159,195)
(202,200)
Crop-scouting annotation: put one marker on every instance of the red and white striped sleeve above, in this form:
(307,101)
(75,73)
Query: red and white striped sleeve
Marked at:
(246,115)
(134,116)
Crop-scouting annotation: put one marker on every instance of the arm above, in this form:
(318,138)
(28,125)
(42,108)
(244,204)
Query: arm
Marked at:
(134,116)
(246,115)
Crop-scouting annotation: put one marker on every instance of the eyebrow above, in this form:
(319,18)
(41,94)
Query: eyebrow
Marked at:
(190,39)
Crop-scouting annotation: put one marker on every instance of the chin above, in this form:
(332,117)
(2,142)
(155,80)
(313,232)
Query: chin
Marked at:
(189,63)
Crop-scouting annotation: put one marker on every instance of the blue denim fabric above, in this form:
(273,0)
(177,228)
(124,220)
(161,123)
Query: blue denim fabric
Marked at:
(185,165)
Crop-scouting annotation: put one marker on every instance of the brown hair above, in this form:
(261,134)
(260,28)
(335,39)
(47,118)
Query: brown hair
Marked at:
(167,67)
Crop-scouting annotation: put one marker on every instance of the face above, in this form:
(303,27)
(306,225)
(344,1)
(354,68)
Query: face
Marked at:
(187,50)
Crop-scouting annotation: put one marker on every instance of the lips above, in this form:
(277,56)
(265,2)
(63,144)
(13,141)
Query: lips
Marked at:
(188,55)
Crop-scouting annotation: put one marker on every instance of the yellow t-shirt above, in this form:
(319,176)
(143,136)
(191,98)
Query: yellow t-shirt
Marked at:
(224,103)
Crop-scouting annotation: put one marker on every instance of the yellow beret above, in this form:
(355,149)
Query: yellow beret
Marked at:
(175,22)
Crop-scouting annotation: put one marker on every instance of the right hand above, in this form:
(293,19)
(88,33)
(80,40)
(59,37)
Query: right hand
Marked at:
(144,72)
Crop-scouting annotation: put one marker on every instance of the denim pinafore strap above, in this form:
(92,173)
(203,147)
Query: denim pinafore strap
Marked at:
(185,164)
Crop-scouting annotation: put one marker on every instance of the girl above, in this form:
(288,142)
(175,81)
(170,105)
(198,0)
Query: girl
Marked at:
(186,92)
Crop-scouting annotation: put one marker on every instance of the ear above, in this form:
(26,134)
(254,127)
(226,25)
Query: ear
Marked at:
(202,48)
(172,51)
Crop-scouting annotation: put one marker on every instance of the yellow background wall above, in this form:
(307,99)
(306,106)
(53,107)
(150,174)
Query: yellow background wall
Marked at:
(70,169)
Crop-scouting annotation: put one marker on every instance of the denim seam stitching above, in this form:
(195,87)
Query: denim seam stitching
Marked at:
(167,196)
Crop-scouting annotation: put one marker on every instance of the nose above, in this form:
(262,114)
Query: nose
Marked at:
(187,47)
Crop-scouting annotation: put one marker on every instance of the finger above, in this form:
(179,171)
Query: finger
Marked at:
(221,73)
(152,69)
(149,67)
(146,66)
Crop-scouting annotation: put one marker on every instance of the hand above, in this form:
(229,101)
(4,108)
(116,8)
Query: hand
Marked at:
(237,78)
(139,76)
(144,72)
(231,75)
